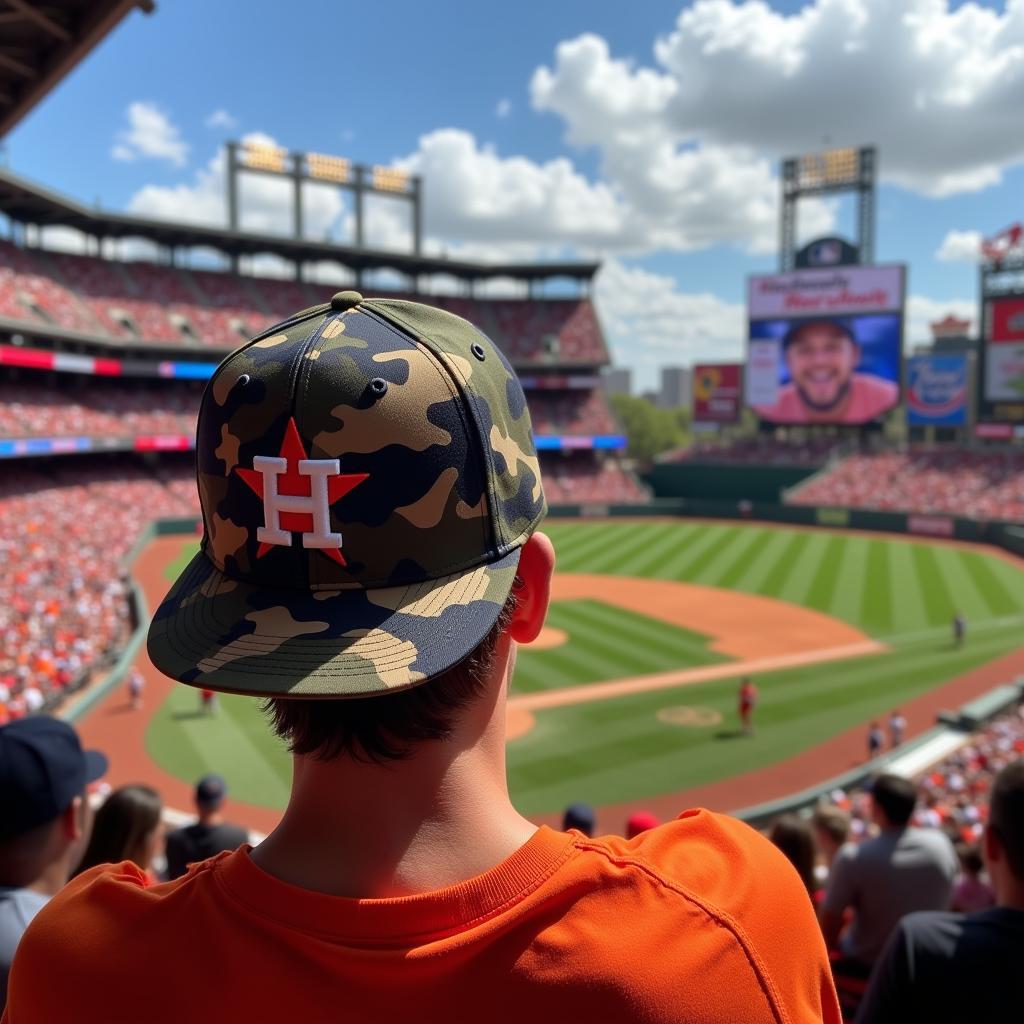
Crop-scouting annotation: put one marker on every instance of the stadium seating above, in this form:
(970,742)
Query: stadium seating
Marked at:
(571,412)
(150,303)
(31,408)
(63,606)
(978,484)
(575,479)
(760,450)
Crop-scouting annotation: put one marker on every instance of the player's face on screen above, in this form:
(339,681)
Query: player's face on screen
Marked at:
(821,361)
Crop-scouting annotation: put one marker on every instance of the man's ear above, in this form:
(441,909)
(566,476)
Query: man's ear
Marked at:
(72,821)
(532,588)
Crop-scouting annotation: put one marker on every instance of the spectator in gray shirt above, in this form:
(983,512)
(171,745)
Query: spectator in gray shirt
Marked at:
(943,967)
(45,820)
(901,870)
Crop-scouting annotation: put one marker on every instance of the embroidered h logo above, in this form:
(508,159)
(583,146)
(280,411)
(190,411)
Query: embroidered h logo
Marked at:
(297,495)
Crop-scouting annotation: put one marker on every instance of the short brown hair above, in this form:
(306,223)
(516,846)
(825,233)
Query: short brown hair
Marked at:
(387,727)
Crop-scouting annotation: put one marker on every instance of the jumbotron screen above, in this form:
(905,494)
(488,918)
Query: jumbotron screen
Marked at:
(825,344)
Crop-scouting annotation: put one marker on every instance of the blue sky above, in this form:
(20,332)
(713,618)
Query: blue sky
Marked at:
(647,136)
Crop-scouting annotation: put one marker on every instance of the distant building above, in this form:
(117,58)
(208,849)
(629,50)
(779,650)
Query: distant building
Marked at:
(951,334)
(676,387)
(618,380)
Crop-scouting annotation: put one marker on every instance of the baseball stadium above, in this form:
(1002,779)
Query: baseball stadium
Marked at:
(860,563)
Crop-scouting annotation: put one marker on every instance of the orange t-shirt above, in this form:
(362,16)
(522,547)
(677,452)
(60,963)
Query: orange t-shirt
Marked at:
(698,920)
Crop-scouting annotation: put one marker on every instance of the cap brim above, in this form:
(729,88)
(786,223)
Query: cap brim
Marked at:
(222,634)
(96,765)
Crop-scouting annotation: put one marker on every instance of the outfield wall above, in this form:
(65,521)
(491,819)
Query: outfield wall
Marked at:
(1009,536)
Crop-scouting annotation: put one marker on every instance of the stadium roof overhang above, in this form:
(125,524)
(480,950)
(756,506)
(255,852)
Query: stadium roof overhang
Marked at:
(28,203)
(41,42)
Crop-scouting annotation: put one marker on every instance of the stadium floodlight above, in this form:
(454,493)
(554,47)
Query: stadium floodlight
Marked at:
(260,157)
(816,174)
(299,168)
(838,168)
(390,179)
(329,168)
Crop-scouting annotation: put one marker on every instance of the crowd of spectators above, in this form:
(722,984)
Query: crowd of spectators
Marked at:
(571,412)
(977,484)
(31,408)
(151,303)
(763,450)
(951,812)
(574,479)
(63,606)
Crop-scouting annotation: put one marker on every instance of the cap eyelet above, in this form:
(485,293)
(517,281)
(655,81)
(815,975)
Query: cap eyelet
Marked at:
(378,386)
(242,381)
(478,350)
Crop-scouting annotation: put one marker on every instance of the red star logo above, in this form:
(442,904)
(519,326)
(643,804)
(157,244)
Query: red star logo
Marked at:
(292,482)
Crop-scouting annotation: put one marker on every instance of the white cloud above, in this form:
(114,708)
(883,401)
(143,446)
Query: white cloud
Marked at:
(938,90)
(265,204)
(220,118)
(678,192)
(650,322)
(960,247)
(504,108)
(150,134)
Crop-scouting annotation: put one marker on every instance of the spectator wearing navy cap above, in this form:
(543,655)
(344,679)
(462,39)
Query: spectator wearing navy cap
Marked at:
(210,835)
(580,817)
(45,820)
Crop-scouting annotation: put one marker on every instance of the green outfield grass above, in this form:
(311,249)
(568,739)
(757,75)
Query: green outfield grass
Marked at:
(902,593)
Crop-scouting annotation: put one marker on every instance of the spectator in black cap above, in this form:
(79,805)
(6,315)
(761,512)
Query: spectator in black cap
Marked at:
(209,835)
(580,817)
(45,820)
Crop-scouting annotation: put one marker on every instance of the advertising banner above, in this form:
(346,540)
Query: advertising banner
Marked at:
(716,393)
(825,344)
(936,393)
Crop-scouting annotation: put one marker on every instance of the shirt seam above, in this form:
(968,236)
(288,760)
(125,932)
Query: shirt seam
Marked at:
(721,917)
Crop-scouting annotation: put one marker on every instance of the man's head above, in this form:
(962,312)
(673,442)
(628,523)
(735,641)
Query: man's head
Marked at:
(1004,834)
(831,826)
(210,793)
(894,799)
(370,492)
(821,356)
(45,815)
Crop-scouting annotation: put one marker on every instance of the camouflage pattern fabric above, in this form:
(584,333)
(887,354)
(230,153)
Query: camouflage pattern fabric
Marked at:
(435,488)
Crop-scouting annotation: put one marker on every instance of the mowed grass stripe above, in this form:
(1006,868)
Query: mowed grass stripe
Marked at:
(674,566)
(616,558)
(670,538)
(989,583)
(764,560)
(662,637)
(573,553)
(732,560)
(966,595)
(777,575)
(908,612)
(938,603)
(797,584)
(735,575)
(688,568)
(826,578)
(849,592)
(876,600)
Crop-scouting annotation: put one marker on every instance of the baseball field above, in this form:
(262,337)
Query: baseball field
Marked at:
(631,691)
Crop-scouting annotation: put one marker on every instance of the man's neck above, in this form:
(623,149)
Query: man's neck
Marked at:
(53,878)
(374,831)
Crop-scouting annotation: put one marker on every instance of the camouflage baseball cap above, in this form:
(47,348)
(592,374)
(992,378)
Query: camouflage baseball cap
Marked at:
(367,477)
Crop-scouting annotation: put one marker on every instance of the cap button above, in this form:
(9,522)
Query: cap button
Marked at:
(345,300)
